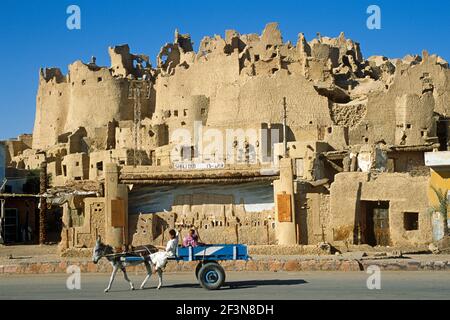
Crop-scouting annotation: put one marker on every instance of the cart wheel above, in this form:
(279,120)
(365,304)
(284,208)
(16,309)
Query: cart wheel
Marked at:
(197,269)
(211,276)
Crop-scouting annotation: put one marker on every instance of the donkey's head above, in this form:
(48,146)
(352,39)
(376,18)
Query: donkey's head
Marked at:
(99,251)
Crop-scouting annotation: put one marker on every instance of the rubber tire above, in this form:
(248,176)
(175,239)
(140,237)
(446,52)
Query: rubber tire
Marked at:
(217,270)
(197,269)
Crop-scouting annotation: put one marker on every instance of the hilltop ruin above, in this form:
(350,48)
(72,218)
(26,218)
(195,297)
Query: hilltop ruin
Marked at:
(356,132)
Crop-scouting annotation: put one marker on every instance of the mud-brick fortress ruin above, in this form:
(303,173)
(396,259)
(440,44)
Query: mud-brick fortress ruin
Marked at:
(338,155)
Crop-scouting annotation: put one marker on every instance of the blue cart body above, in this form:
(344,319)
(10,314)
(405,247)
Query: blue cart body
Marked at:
(214,252)
(209,273)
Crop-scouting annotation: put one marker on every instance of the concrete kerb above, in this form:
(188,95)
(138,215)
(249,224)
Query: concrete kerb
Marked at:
(269,264)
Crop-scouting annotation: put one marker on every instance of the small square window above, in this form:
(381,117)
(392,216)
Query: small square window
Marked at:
(100,166)
(411,221)
(77,164)
(175,113)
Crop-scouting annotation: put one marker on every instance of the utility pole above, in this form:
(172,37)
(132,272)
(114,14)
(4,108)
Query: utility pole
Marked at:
(135,94)
(138,88)
(42,203)
(284,127)
(137,126)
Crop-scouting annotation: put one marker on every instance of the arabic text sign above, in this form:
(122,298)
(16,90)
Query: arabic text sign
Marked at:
(198,166)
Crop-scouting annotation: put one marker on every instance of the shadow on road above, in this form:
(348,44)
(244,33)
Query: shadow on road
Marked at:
(245,284)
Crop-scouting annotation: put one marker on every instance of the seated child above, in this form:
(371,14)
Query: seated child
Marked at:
(191,240)
(159,258)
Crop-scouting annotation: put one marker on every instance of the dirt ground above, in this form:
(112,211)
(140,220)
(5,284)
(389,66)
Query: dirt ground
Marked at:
(28,253)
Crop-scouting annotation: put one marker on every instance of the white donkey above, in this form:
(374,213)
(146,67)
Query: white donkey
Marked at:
(102,250)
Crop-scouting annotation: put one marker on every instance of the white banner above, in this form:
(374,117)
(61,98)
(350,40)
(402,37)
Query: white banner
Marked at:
(198,166)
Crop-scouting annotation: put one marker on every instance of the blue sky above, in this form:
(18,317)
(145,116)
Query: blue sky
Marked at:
(33,34)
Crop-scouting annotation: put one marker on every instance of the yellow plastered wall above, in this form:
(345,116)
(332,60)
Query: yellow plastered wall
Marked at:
(440,179)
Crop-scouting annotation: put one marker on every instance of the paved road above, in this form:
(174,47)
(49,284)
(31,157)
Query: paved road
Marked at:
(240,285)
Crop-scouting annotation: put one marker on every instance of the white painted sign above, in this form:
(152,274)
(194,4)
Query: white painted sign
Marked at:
(198,166)
(437,159)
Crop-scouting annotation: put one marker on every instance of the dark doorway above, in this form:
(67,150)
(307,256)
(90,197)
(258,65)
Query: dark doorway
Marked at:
(11,226)
(375,223)
(54,225)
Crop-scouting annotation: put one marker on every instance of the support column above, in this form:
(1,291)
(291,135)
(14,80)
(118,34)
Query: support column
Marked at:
(116,208)
(285,225)
(65,219)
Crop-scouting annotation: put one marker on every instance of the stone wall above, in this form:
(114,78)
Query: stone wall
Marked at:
(88,96)
(404,193)
(247,228)
(90,223)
